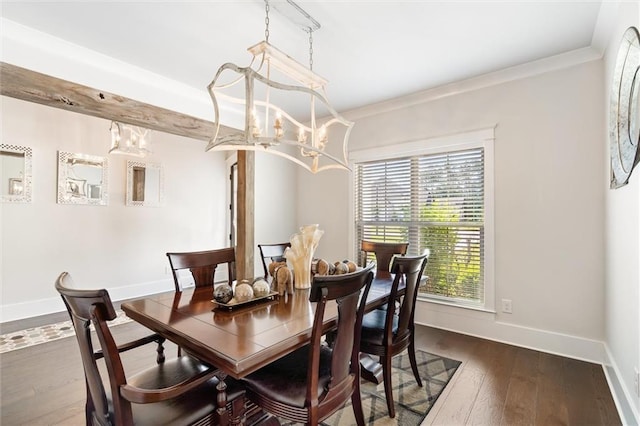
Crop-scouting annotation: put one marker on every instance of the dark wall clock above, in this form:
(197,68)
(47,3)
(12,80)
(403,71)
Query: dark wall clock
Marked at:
(624,115)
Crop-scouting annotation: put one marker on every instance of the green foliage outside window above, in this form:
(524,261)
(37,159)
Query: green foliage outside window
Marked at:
(453,269)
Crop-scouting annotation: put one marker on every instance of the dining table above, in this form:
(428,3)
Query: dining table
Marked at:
(241,339)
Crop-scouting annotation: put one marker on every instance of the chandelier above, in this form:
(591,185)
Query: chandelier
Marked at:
(315,136)
(129,140)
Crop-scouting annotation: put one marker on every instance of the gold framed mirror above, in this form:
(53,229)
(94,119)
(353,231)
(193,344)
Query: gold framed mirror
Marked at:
(145,184)
(82,179)
(15,164)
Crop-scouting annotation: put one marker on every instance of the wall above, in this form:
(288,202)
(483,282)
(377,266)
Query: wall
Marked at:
(275,212)
(549,201)
(622,255)
(117,247)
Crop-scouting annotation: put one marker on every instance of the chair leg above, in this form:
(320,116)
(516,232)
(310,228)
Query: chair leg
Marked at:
(89,409)
(160,351)
(412,360)
(356,402)
(388,387)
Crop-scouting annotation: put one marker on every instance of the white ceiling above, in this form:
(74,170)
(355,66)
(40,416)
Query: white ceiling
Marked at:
(369,51)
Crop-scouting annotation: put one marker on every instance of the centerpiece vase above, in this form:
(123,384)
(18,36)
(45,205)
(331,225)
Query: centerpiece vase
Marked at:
(300,254)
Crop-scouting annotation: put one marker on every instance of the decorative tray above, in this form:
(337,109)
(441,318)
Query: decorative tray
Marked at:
(235,305)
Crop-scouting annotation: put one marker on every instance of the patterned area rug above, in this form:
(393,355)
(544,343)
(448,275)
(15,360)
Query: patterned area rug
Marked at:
(412,402)
(44,334)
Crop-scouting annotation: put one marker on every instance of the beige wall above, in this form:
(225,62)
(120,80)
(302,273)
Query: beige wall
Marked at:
(117,247)
(549,202)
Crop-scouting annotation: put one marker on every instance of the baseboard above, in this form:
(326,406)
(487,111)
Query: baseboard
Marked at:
(621,394)
(483,324)
(34,308)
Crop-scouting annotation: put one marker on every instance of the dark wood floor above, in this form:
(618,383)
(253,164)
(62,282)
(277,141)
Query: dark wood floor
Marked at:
(496,384)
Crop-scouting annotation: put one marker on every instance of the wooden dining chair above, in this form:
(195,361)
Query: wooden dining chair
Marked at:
(388,332)
(202,265)
(180,391)
(272,252)
(310,384)
(383,253)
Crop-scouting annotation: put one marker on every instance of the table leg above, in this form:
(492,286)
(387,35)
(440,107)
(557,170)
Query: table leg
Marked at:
(223,414)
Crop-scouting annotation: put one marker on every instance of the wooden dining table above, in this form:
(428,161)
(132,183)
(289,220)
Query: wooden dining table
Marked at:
(241,340)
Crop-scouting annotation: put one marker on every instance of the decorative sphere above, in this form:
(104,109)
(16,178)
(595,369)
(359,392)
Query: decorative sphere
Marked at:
(244,293)
(223,293)
(261,288)
(341,268)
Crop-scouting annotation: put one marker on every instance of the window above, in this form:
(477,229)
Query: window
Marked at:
(436,199)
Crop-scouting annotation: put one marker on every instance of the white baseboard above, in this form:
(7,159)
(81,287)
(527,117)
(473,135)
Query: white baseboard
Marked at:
(34,308)
(483,324)
(622,396)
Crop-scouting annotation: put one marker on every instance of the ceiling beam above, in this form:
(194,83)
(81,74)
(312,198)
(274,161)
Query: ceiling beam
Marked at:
(27,85)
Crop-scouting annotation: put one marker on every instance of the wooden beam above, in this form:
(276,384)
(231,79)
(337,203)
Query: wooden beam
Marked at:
(21,83)
(245,241)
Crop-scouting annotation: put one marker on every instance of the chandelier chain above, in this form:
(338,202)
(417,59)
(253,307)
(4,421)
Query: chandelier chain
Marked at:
(310,48)
(266,21)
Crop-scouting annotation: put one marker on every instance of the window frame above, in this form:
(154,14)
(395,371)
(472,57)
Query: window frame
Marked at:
(472,139)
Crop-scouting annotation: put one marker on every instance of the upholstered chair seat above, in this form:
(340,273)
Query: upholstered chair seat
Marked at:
(373,327)
(186,409)
(286,379)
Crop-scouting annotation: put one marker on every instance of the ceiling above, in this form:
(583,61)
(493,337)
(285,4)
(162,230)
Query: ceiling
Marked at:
(369,51)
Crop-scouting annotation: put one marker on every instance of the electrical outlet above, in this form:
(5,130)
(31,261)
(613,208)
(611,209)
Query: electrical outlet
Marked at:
(506,306)
(636,381)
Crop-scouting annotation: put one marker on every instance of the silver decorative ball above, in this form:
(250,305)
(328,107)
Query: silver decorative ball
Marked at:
(261,288)
(223,293)
(244,293)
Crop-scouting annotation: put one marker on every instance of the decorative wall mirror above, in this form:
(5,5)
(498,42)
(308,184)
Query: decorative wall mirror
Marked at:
(145,184)
(15,164)
(624,113)
(82,179)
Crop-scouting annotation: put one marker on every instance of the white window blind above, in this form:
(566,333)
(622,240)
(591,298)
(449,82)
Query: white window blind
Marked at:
(436,203)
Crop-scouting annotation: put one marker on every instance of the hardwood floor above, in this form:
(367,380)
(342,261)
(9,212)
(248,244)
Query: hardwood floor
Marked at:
(497,384)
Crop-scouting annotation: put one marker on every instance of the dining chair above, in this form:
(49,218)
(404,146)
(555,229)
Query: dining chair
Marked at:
(383,253)
(273,252)
(388,332)
(180,391)
(202,265)
(313,382)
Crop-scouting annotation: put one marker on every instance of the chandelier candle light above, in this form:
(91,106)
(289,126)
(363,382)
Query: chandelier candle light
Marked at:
(270,92)
(129,140)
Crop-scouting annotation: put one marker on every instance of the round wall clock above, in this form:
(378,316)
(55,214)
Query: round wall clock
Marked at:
(624,116)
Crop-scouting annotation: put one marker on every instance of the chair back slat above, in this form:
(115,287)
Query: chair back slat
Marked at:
(203,265)
(94,306)
(408,271)
(383,252)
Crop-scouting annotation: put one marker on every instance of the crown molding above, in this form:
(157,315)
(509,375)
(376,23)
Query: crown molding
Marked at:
(518,72)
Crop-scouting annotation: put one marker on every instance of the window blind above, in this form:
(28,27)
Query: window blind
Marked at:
(436,203)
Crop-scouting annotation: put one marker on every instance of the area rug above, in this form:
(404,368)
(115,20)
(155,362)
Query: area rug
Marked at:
(46,333)
(412,402)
